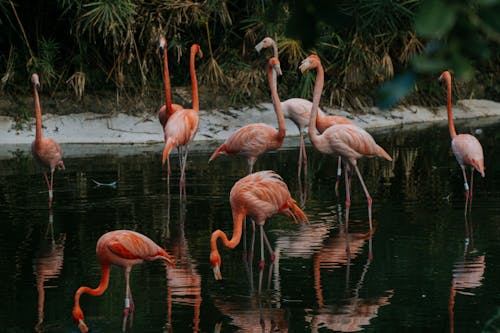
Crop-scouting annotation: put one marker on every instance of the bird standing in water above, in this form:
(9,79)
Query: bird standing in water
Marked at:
(122,248)
(46,151)
(259,195)
(254,140)
(349,141)
(467,149)
(182,125)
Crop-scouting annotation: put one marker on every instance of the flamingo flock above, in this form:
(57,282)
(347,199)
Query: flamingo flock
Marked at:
(258,195)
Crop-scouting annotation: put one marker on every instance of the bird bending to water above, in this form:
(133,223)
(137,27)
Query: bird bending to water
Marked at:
(349,141)
(46,151)
(254,140)
(182,125)
(298,111)
(122,248)
(259,195)
(467,149)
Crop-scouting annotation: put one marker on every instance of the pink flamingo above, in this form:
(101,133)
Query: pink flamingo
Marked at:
(259,195)
(298,111)
(467,149)
(46,151)
(254,140)
(182,126)
(349,141)
(122,248)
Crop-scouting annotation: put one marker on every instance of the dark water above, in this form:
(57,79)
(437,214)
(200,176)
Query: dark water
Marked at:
(432,270)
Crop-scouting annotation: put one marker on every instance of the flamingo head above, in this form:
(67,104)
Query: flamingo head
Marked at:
(195,49)
(274,63)
(163,43)
(445,76)
(78,318)
(265,43)
(310,62)
(215,262)
(35,80)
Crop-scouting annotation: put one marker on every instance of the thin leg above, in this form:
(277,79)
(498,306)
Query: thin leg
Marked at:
(128,307)
(51,195)
(368,197)
(183,171)
(466,187)
(251,162)
(347,175)
(339,173)
(471,187)
(262,261)
(299,173)
(304,155)
(271,252)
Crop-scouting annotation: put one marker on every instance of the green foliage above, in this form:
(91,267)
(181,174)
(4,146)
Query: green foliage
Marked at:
(101,45)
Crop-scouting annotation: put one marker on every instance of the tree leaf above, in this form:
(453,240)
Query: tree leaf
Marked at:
(434,19)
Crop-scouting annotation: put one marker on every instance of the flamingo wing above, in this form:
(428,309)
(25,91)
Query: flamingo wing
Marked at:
(128,244)
(468,151)
(251,140)
(182,126)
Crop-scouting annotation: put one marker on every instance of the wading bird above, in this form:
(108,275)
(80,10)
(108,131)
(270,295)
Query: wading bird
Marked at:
(298,111)
(467,149)
(46,151)
(349,141)
(254,140)
(122,248)
(259,195)
(182,125)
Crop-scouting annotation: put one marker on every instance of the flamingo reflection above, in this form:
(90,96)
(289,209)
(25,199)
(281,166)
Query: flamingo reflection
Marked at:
(253,315)
(183,279)
(354,311)
(468,272)
(47,266)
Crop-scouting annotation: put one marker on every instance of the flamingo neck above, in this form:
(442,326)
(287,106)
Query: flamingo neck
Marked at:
(38,114)
(194,83)
(101,288)
(166,80)
(318,89)
(275,49)
(271,75)
(451,125)
(235,239)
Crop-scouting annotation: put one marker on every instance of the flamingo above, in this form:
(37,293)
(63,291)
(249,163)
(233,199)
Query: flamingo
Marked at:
(467,149)
(298,111)
(349,141)
(46,151)
(168,109)
(122,248)
(183,124)
(254,140)
(259,195)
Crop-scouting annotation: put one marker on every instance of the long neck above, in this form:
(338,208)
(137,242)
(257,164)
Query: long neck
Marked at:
(166,80)
(318,89)
(194,83)
(451,125)
(38,113)
(275,49)
(101,288)
(276,103)
(238,218)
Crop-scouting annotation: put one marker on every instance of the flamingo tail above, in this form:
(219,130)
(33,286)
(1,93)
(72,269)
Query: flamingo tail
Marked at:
(169,145)
(292,210)
(382,153)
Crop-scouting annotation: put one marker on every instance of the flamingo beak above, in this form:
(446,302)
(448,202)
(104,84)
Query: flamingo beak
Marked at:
(277,68)
(37,87)
(304,65)
(217,273)
(82,327)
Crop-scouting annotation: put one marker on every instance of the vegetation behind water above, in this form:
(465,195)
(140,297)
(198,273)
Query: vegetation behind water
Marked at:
(373,51)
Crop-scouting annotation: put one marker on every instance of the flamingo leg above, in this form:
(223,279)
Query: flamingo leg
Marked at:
(262,261)
(471,186)
(129,303)
(368,197)
(51,195)
(347,175)
(466,187)
(339,173)
(299,173)
(304,154)
(268,244)
(183,171)
(251,162)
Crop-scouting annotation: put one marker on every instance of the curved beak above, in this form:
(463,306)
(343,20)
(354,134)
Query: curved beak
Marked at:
(217,273)
(304,66)
(82,327)
(200,54)
(37,87)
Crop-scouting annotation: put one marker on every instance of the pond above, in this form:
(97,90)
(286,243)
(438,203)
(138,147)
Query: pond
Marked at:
(432,267)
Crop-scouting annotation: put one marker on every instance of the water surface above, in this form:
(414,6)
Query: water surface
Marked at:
(433,269)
